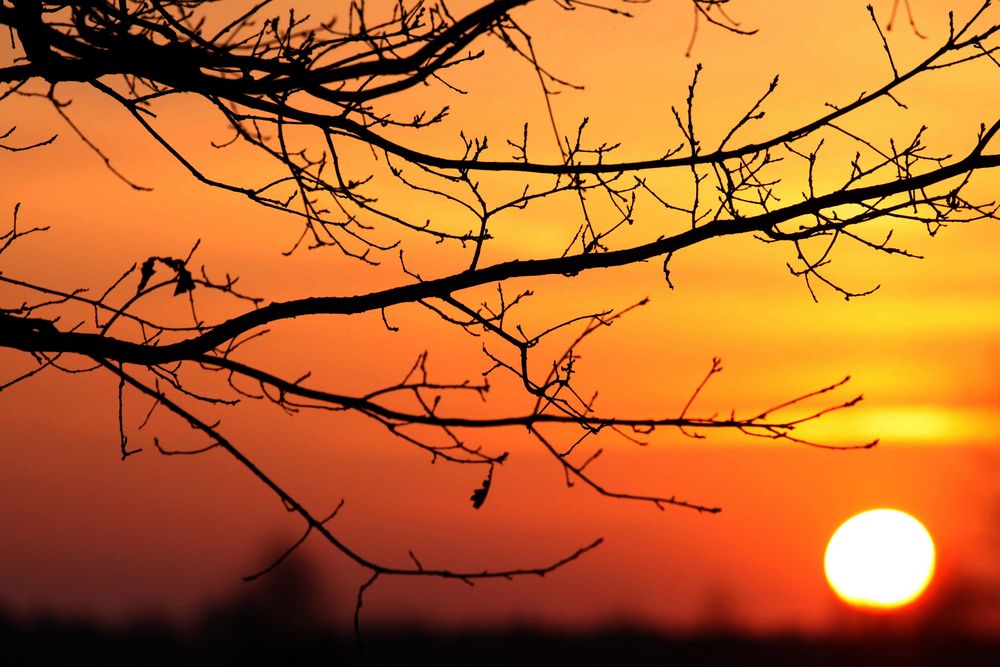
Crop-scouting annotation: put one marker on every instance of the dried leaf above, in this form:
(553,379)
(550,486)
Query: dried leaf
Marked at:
(146,273)
(479,495)
(185,281)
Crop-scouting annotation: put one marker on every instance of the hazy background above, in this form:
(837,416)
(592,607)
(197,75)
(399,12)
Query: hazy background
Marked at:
(86,534)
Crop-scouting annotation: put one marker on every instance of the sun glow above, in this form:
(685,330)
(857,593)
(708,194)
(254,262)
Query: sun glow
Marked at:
(880,559)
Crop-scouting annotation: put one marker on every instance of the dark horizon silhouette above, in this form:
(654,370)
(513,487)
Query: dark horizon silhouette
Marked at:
(279,618)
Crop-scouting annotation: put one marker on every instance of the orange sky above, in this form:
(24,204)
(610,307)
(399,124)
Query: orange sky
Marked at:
(85,532)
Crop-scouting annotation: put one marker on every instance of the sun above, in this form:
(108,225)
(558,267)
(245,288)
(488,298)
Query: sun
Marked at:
(880,559)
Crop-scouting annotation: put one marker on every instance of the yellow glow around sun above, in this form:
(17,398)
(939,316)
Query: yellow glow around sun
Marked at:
(881,558)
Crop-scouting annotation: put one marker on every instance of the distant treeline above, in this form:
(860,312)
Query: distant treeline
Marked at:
(243,637)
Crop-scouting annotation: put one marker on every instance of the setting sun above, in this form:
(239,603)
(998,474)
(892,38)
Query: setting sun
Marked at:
(882,558)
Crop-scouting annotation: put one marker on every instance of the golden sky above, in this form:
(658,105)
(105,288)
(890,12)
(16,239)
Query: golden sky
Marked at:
(86,532)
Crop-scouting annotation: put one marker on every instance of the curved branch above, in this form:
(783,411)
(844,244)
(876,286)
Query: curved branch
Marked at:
(319,525)
(94,345)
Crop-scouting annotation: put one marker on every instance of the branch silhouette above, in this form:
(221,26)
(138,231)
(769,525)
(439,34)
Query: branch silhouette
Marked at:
(304,95)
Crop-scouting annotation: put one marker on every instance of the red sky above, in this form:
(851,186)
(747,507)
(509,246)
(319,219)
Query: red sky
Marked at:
(85,532)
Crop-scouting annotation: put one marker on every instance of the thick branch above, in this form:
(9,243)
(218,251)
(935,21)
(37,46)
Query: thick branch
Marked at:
(125,351)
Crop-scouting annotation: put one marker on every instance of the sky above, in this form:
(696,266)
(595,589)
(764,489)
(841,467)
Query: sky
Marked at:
(86,533)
